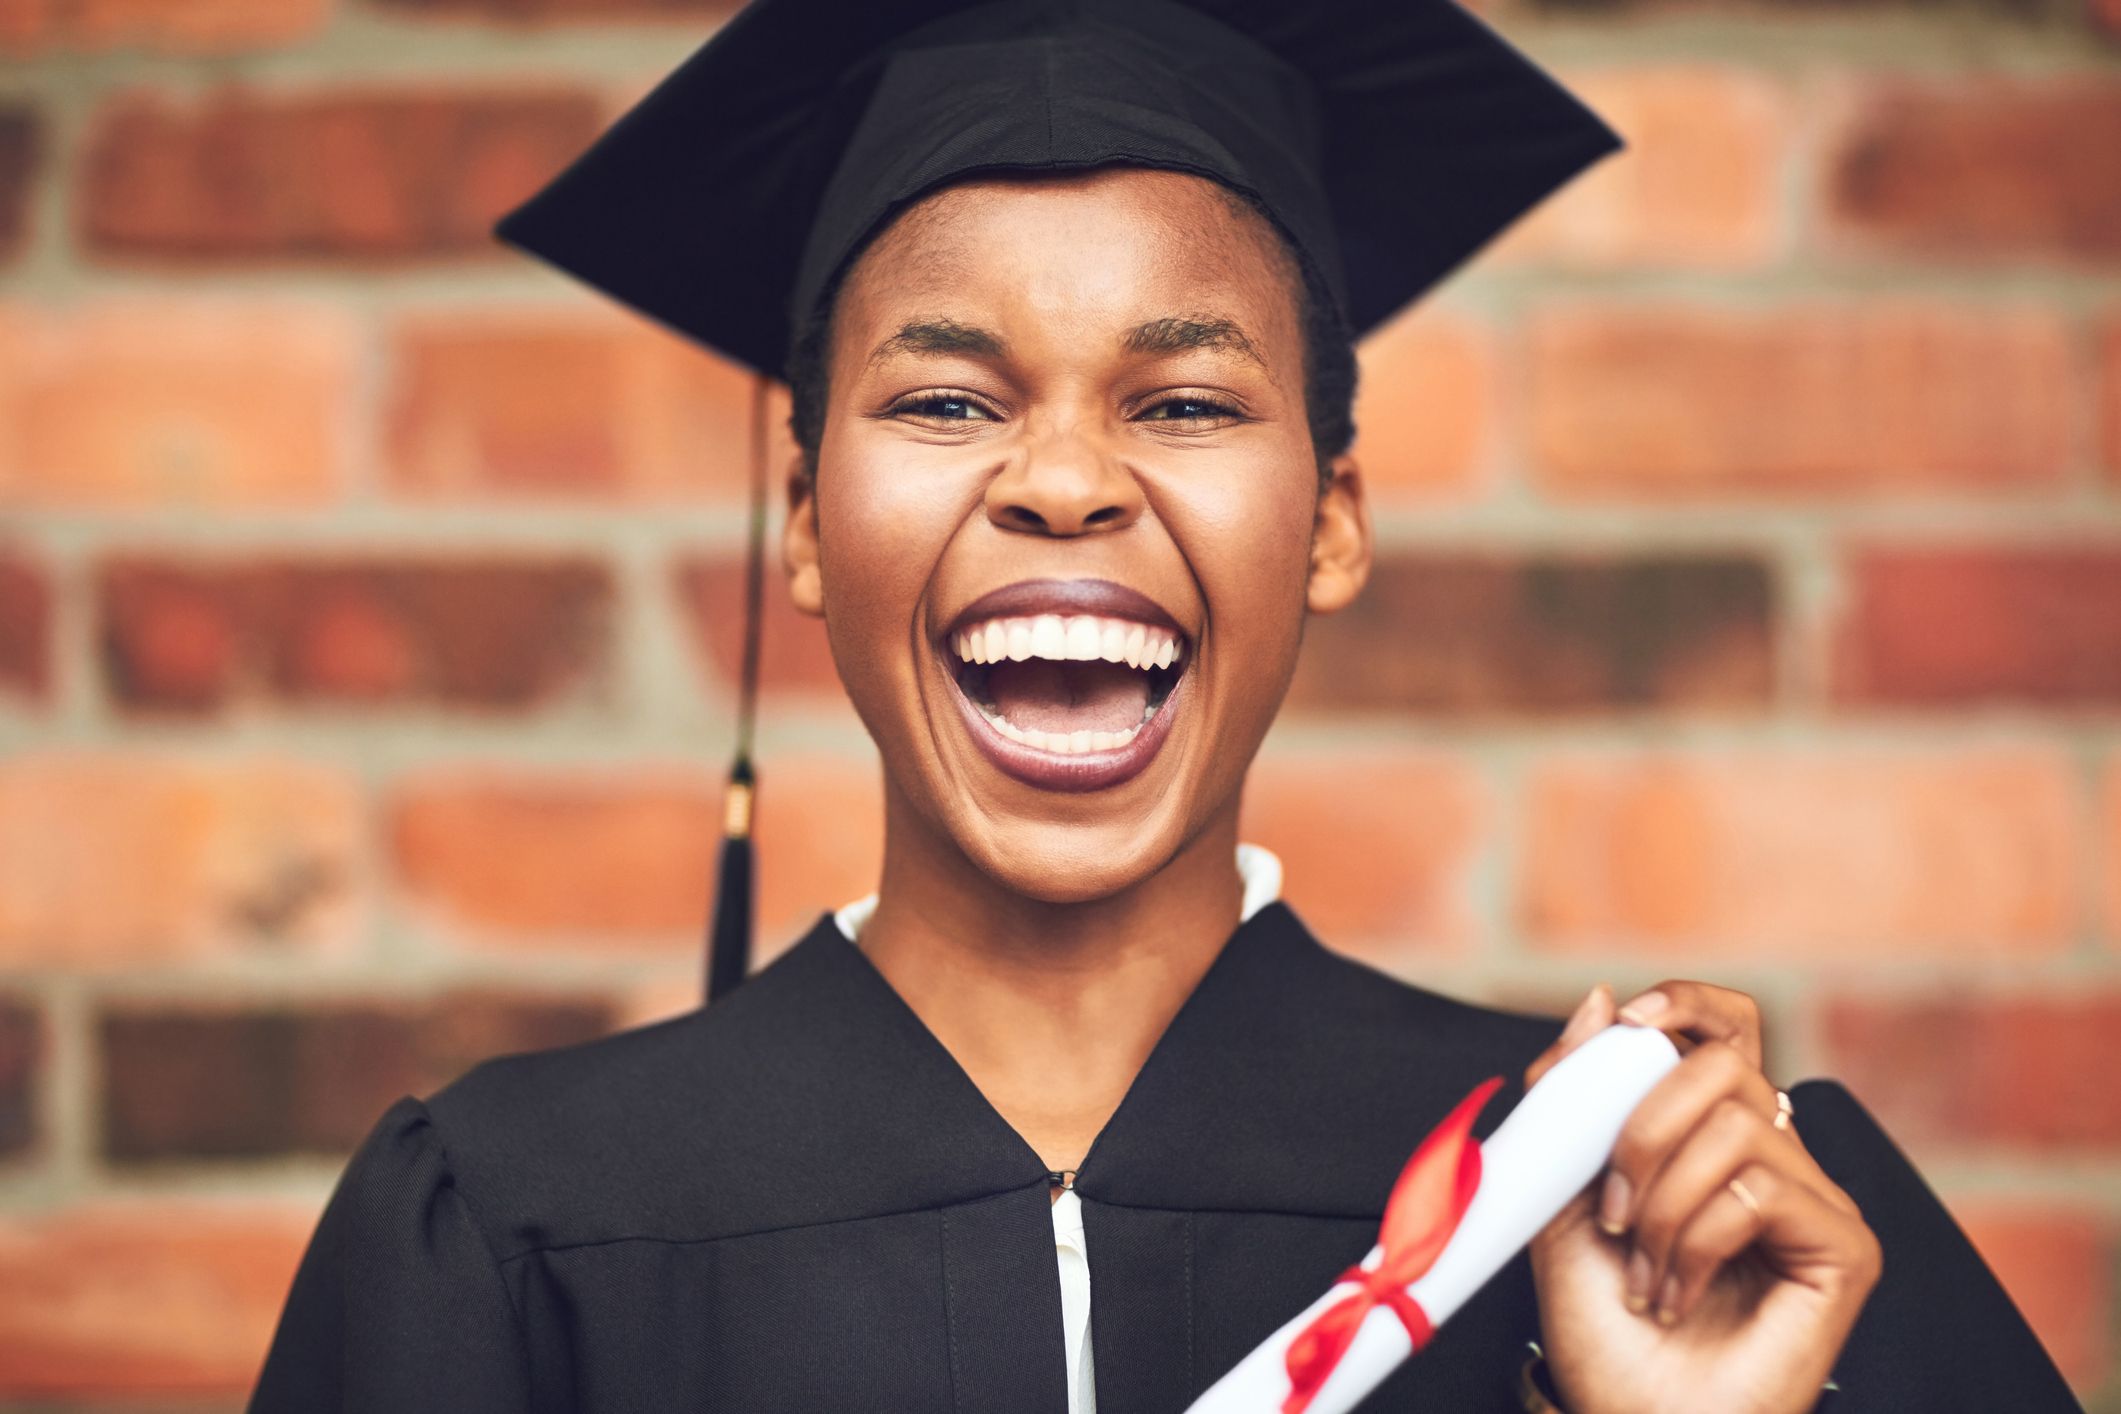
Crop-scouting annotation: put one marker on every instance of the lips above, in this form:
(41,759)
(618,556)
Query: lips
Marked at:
(1067,684)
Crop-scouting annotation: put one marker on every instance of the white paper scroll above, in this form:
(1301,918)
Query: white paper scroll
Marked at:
(1554,1142)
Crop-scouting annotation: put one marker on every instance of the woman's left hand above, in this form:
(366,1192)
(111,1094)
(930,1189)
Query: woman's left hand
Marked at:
(1662,1288)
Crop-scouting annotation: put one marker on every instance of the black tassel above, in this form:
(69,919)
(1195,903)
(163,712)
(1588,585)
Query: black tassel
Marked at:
(729,943)
(729,935)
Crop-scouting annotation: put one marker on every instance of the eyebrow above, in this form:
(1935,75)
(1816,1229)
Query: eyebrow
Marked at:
(938,336)
(1164,336)
(1174,334)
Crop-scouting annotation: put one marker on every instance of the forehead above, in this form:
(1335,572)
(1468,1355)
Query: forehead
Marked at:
(1118,243)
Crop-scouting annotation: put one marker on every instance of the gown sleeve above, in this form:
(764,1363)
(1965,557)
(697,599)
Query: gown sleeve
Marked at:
(1938,1333)
(398,1306)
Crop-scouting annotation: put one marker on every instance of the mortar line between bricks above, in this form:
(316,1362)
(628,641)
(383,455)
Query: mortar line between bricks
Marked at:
(1507,767)
(73,1083)
(677,529)
(366,46)
(405,740)
(482,283)
(2100,944)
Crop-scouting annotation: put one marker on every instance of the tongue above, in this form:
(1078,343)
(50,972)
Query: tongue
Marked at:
(1039,695)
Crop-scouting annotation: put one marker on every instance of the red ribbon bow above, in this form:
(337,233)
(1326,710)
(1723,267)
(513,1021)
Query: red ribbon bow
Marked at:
(1427,1202)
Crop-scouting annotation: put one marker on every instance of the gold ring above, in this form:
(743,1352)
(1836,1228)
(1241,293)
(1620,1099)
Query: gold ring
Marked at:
(1784,1111)
(1745,1196)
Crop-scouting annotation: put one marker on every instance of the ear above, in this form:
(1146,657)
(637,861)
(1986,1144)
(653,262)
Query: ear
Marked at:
(799,551)
(1340,540)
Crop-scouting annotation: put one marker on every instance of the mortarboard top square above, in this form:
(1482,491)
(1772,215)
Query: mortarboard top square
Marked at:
(1389,139)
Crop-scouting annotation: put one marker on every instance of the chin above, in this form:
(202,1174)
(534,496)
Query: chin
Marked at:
(1068,863)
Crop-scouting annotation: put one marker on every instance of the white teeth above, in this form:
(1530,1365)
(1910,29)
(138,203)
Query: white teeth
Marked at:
(1068,638)
(1083,638)
(1111,639)
(1062,743)
(1048,638)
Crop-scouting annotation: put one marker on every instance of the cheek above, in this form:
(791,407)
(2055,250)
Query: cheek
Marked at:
(1247,534)
(882,527)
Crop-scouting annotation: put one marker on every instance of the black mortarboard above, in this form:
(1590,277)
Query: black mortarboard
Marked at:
(1389,139)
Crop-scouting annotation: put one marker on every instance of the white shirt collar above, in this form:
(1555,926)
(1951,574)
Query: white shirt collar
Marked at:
(1259,869)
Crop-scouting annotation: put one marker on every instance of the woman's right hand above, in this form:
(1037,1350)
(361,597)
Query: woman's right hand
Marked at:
(1663,1288)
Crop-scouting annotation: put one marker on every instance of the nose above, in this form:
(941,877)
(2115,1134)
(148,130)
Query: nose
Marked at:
(1063,484)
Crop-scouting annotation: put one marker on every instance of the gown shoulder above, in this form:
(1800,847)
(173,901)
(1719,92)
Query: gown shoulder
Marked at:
(1938,1331)
(399,1302)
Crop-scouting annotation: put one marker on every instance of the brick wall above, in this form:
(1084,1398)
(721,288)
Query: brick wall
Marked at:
(1750,608)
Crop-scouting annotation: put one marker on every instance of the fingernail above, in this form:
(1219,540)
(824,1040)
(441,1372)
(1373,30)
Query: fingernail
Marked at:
(1645,1008)
(1638,1290)
(1613,1203)
(1668,1302)
(1580,1022)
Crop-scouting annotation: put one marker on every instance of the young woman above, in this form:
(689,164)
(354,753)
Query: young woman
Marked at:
(1073,1112)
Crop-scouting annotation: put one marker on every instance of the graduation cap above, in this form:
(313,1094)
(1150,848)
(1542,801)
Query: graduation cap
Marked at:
(1387,139)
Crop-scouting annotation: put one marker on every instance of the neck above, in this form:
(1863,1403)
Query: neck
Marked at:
(1051,1009)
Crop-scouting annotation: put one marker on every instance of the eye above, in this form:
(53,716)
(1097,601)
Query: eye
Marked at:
(1191,410)
(942,407)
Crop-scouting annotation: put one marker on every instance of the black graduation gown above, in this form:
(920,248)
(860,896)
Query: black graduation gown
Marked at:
(796,1200)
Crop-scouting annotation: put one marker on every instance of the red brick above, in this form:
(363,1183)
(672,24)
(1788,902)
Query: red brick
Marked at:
(494,632)
(1423,820)
(1503,633)
(185,404)
(1979,168)
(794,656)
(1697,186)
(22,1055)
(1970,1069)
(820,841)
(1957,625)
(21,146)
(2057,1264)
(573,859)
(2107,13)
(25,628)
(133,1300)
(367,175)
(560,858)
(171,26)
(162,860)
(663,997)
(2110,397)
(278,1078)
(2109,857)
(2018,10)
(545,11)
(1425,411)
(1687,401)
(567,406)
(1803,855)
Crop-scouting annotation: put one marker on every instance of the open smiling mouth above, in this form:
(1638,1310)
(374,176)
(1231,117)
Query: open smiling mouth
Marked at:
(1070,701)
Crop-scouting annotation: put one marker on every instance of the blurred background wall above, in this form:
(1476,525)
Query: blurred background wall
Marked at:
(1749,609)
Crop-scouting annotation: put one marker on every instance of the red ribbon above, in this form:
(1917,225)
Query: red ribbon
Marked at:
(1426,1204)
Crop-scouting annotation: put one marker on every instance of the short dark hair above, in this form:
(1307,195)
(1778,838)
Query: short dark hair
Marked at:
(1329,355)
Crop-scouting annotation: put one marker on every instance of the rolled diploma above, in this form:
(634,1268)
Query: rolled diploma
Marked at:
(1540,1156)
